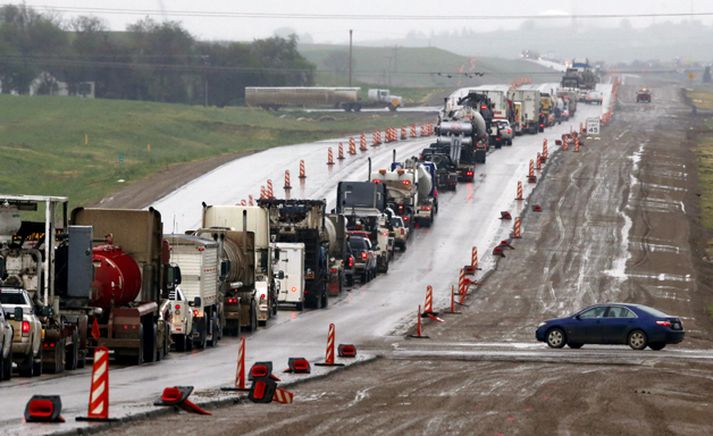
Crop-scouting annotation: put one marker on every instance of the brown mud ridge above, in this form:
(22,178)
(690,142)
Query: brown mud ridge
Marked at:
(619,223)
(142,193)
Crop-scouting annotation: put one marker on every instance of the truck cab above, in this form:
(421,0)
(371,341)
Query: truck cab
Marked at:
(289,272)
(6,334)
(181,320)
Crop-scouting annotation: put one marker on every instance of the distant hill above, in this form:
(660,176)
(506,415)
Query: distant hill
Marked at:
(415,67)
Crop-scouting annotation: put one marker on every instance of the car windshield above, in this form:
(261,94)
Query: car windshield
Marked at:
(653,312)
(358,243)
(396,223)
(12,298)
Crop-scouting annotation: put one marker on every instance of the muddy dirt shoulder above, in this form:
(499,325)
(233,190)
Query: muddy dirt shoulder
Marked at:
(142,193)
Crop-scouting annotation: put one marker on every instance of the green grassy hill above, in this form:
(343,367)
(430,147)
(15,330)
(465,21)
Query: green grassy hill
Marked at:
(43,149)
(414,67)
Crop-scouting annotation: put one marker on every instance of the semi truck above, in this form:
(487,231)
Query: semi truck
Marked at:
(132,275)
(336,228)
(365,206)
(408,190)
(346,98)
(289,266)
(303,221)
(245,300)
(529,100)
(52,262)
(198,260)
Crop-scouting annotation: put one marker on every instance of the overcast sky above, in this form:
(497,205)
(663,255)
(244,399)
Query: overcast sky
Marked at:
(336,30)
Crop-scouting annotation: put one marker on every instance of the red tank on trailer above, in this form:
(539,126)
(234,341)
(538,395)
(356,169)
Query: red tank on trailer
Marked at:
(117,277)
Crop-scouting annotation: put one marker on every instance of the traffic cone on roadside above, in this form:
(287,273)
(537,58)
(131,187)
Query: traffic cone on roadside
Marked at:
(239,384)
(419,331)
(303,174)
(329,355)
(99,393)
(428,307)
(453,310)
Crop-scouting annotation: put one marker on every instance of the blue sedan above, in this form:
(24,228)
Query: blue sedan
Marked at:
(615,323)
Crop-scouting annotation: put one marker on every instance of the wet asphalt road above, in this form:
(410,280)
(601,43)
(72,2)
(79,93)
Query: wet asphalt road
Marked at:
(373,312)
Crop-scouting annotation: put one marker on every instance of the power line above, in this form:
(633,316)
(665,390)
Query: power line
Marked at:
(360,17)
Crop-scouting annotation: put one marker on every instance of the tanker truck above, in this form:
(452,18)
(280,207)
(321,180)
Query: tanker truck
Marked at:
(242,263)
(251,219)
(408,185)
(464,133)
(51,260)
(132,276)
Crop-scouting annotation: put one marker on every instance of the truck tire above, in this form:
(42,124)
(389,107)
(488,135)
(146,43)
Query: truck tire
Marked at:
(37,366)
(325,300)
(253,319)
(151,345)
(71,359)
(179,342)
(58,358)
(299,306)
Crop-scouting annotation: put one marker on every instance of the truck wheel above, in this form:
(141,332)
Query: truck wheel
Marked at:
(299,306)
(72,354)
(179,342)
(253,319)
(58,358)
(188,343)
(151,345)
(37,366)
(325,300)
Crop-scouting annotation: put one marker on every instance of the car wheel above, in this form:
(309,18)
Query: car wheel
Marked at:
(5,366)
(26,366)
(657,346)
(574,345)
(556,338)
(637,340)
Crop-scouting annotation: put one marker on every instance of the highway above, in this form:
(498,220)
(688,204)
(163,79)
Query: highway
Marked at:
(374,313)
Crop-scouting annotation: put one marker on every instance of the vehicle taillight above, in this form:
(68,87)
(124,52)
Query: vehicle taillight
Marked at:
(406,182)
(405,218)
(376,181)
(350,262)
(542,125)
(469,173)
(509,131)
(178,306)
(195,312)
(364,255)
(664,323)
(262,298)
(401,208)
(25,327)
(483,107)
(425,207)
(333,270)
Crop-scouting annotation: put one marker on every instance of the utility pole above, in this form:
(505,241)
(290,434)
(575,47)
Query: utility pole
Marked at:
(350,57)
(206,60)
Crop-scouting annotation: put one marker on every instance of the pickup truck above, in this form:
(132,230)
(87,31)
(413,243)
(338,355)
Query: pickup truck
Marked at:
(5,347)
(181,320)
(27,338)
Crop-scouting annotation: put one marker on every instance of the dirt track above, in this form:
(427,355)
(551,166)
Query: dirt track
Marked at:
(619,222)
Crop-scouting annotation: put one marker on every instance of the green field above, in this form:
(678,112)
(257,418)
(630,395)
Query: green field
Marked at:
(42,139)
(414,67)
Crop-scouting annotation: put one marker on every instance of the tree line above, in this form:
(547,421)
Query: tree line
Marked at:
(157,61)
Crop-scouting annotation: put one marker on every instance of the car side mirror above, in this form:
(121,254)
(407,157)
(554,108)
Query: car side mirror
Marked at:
(18,314)
(577,317)
(197,302)
(46,311)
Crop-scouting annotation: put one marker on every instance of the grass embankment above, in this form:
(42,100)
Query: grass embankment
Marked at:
(417,67)
(43,149)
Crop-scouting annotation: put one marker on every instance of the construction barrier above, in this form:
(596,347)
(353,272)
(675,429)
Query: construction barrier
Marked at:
(352,146)
(251,200)
(362,142)
(539,162)
(413,130)
(303,174)
(270,193)
(239,384)
(404,135)
(287,186)
(531,177)
(517,228)
(545,154)
(177,396)
(519,196)
(99,394)
(340,152)
(419,331)
(330,156)
(329,355)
